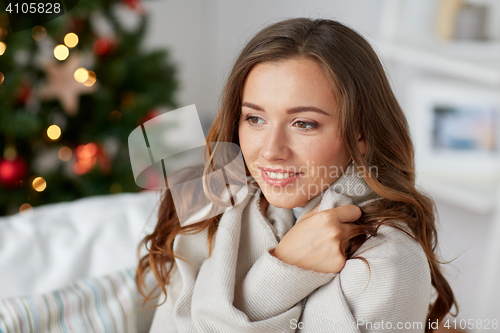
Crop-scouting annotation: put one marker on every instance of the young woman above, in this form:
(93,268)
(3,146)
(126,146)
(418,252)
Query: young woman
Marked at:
(325,143)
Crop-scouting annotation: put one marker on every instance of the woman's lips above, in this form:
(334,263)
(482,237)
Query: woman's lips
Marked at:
(279,182)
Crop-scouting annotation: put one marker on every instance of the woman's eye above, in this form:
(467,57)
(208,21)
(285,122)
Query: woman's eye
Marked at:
(304,125)
(253,120)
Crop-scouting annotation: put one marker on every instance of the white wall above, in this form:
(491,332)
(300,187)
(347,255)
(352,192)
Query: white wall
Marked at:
(180,26)
(205,36)
(464,242)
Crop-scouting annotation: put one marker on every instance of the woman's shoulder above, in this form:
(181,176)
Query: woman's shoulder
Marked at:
(393,242)
(391,257)
(392,282)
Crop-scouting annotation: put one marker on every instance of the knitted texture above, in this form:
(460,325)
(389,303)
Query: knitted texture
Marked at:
(241,287)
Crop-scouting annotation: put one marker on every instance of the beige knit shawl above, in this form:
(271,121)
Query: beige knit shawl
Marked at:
(242,288)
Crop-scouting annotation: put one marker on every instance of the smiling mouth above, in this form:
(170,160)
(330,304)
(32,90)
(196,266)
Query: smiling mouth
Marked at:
(280,179)
(280,175)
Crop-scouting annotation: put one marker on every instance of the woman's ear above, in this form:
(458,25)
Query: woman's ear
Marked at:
(361,144)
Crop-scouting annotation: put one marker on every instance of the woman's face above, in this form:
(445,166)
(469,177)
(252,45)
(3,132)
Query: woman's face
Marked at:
(289,131)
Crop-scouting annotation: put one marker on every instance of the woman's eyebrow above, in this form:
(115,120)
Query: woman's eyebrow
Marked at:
(252,106)
(306,109)
(289,111)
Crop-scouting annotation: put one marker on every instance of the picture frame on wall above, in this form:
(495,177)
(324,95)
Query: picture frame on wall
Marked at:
(468,20)
(456,131)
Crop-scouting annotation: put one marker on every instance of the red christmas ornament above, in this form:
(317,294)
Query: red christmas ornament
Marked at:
(87,156)
(76,25)
(150,115)
(12,171)
(24,93)
(153,179)
(135,5)
(104,47)
(104,161)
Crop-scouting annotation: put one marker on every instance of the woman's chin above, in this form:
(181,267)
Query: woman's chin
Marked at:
(284,201)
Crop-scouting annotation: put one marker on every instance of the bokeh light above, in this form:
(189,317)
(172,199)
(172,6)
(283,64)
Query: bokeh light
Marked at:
(10,152)
(71,40)
(3,32)
(114,116)
(86,158)
(65,154)
(81,75)
(54,132)
(91,79)
(1,77)
(25,209)
(115,188)
(61,52)
(3,47)
(38,33)
(39,184)
(100,47)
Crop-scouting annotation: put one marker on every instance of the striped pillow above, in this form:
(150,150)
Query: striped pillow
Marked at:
(104,304)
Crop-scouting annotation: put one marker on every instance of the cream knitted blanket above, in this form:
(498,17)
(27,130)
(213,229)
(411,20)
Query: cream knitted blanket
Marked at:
(243,288)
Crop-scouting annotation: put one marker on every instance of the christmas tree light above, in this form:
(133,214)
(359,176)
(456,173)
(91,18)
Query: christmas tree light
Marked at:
(81,75)
(3,32)
(71,40)
(64,154)
(91,79)
(39,184)
(54,132)
(38,33)
(115,188)
(61,52)
(25,209)
(10,152)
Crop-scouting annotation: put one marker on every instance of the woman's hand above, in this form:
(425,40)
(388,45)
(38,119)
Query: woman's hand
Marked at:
(313,243)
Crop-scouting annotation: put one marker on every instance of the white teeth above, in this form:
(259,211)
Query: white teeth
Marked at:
(279,175)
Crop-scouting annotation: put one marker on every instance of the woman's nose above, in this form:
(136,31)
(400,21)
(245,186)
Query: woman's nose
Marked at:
(275,144)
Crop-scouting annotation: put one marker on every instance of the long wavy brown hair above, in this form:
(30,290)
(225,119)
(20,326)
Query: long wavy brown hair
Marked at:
(367,106)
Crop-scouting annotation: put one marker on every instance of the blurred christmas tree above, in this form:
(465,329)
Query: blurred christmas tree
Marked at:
(71,91)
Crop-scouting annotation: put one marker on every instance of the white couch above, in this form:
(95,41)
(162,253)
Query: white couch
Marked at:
(56,245)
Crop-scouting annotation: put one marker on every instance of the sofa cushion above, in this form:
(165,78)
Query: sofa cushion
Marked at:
(104,304)
(58,244)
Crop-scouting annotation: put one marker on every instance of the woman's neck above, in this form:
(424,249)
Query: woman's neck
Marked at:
(263,205)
